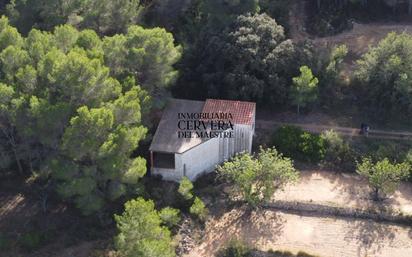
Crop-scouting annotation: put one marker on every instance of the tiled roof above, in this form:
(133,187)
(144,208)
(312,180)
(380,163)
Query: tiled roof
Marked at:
(242,112)
(166,138)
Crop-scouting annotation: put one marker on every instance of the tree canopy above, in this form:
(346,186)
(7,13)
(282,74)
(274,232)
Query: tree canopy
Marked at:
(141,233)
(383,176)
(257,179)
(104,16)
(250,61)
(304,89)
(222,12)
(70,109)
(385,73)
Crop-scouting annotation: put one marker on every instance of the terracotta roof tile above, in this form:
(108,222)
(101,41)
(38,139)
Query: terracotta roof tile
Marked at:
(242,112)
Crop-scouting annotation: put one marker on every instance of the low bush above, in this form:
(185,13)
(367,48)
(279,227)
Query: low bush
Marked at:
(163,193)
(338,154)
(304,254)
(170,217)
(408,160)
(391,151)
(295,143)
(288,254)
(33,240)
(235,248)
(376,149)
(186,189)
(199,209)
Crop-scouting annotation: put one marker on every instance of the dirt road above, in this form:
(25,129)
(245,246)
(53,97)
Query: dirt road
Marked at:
(297,18)
(345,131)
(326,237)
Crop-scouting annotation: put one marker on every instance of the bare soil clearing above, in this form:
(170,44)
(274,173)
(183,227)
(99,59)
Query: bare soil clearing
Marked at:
(324,236)
(358,40)
(327,237)
(342,190)
(362,36)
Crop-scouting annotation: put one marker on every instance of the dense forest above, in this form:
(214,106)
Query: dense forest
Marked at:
(81,82)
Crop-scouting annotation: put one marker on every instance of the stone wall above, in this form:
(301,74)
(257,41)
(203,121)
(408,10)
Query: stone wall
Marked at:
(377,214)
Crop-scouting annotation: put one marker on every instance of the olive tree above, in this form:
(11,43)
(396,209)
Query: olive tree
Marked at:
(256,179)
(383,176)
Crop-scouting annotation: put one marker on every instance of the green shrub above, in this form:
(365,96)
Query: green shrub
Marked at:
(235,249)
(255,179)
(383,176)
(141,232)
(408,160)
(288,254)
(388,150)
(298,144)
(170,217)
(304,254)
(199,209)
(394,150)
(185,188)
(33,240)
(338,153)
(280,253)
(286,139)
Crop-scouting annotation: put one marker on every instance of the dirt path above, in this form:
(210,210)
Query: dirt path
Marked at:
(345,131)
(326,237)
(297,19)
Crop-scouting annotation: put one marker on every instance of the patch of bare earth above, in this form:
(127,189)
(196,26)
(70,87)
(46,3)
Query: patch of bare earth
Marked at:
(320,235)
(343,190)
(362,36)
(328,237)
(358,39)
